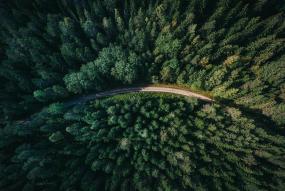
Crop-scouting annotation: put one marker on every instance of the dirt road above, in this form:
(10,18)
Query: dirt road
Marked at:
(147,88)
(186,93)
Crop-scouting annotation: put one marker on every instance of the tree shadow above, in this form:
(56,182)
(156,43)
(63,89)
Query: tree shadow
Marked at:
(256,114)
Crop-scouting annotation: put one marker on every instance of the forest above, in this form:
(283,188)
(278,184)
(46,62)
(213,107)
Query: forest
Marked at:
(54,51)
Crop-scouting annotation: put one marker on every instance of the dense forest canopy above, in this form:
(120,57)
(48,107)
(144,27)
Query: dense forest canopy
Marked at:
(53,51)
(143,142)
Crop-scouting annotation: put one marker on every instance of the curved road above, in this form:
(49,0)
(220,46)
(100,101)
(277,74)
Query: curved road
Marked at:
(171,90)
(85,98)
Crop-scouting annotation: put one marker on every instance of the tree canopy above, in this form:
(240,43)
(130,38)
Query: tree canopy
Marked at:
(55,52)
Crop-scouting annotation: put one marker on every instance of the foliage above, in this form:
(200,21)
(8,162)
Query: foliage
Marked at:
(90,45)
(54,52)
(142,142)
